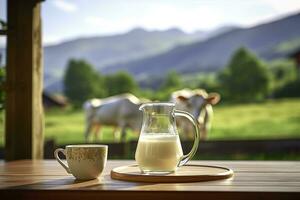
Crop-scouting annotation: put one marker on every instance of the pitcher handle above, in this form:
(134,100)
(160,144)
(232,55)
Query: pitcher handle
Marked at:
(59,160)
(185,158)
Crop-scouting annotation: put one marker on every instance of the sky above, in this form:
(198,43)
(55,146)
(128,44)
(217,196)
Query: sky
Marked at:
(69,19)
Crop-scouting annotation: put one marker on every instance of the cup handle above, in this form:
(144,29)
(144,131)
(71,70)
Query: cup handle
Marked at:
(185,158)
(59,160)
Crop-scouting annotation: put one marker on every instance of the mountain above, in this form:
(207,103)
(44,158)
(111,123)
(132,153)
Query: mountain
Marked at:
(204,35)
(101,51)
(106,50)
(266,40)
(153,53)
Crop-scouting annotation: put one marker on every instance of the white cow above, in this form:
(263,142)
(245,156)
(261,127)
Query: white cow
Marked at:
(199,104)
(119,111)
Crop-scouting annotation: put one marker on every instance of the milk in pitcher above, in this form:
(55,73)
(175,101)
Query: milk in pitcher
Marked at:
(158,152)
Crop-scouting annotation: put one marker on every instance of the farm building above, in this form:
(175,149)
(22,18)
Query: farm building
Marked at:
(52,101)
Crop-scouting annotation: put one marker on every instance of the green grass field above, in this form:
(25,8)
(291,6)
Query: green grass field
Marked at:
(268,120)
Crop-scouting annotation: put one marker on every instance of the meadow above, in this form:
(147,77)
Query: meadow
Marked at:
(272,119)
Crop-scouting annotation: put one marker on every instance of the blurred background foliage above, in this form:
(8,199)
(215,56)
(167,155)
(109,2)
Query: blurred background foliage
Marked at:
(251,67)
(256,100)
(2,79)
(246,78)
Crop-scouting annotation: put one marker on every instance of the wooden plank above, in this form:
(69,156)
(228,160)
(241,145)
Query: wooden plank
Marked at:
(209,148)
(68,182)
(51,167)
(48,172)
(41,179)
(144,195)
(83,186)
(239,146)
(24,114)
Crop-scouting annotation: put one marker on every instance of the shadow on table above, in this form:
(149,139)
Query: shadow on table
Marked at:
(70,183)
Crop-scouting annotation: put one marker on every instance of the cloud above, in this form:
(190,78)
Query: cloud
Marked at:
(96,21)
(191,19)
(283,7)
(259,19)
(51,39)
(65,6)
(279,8)
(166,16)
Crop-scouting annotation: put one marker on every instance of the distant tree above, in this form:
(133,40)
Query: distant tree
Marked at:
(3,24)
(283,73)
(208,82)
(120,82)
(173,80)
(245,78)
(291,89)
(2,77)
(82,82)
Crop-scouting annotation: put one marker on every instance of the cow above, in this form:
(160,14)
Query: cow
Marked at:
(120,111)
(199,103)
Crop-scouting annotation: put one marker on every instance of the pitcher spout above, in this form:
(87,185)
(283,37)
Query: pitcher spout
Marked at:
(157,107)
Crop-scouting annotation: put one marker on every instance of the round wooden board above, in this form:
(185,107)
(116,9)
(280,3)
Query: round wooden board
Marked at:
(186,173)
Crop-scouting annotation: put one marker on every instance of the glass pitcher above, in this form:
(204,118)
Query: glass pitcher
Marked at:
(159,149)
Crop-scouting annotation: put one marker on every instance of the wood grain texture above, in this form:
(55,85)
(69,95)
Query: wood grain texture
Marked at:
(24,114)
(184,174)
(46,179)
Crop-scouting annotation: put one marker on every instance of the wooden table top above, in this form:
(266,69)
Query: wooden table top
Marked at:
(46,179)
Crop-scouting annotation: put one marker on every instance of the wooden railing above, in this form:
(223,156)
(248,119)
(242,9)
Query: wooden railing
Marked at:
(126,150)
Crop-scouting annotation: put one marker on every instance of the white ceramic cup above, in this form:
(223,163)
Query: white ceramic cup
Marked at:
(85,162)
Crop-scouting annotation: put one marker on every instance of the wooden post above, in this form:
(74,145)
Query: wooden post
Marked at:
(24,112)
